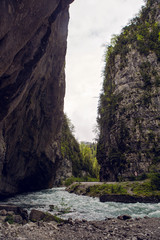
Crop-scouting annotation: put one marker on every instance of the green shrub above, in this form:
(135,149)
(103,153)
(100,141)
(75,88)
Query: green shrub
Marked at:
(155,181)
(9,219)
(71,180)
(143,189)
(49,217)
(82,156)
(70,147)
(107,189)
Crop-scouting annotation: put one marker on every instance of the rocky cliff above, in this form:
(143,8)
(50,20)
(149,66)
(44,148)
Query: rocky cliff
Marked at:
(129,105)
(70,150)
(33,37)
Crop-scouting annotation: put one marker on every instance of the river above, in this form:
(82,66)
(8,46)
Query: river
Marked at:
(80,207)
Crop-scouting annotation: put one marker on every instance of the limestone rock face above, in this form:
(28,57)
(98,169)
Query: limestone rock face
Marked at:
(129,110)
(33,37)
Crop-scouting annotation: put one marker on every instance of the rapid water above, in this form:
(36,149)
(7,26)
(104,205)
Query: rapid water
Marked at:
(81,207)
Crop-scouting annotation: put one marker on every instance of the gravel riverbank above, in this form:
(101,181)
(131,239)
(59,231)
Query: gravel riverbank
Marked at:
(117,229)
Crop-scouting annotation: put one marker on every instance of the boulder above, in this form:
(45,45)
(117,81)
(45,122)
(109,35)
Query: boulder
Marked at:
(36,215)
(124,217)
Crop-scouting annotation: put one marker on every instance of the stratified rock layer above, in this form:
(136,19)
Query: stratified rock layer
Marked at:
(129,109)
(33,37)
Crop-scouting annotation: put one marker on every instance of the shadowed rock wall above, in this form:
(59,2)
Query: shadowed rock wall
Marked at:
(33,37)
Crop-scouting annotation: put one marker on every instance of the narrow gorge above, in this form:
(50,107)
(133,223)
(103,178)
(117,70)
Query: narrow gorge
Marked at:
(37,148)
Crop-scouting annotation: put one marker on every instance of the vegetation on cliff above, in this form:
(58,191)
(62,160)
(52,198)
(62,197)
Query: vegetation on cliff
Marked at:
(89,160)
(82,156)
(70,147)
(128,112)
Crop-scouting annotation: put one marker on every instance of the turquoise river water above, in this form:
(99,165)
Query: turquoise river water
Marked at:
(80,207)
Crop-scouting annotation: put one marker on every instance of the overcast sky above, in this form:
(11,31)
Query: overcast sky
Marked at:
(92,24)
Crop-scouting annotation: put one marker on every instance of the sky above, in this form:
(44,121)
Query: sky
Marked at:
(92,24)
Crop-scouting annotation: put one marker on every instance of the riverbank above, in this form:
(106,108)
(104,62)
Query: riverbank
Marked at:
(119,228)
(115,229)
(126,192)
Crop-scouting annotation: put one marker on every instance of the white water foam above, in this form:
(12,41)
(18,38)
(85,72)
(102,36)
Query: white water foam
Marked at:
(81,207)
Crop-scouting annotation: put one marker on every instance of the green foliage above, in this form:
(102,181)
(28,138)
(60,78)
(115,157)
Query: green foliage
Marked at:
(155,181)
(143,189)
(149,40)
(74,187)
(83,156)
(110,48)
(101,151)
(143,35)
(49,217)
(116,159)
(70,147)
(141,177)
(61,210)
(71,180)
(89,160)
(149,187)
(9,219)
(135,188)
(107,189)
(145,71)
(140,37)
(58,219)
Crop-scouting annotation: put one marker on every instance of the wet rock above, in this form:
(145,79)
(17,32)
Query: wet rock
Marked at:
(124,217)
(51,208)
(129,198)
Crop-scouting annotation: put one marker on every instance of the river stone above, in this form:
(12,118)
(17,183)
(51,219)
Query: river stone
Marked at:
(36,215)
(12,209)
(10,213)
(17,219)
(23,213)
(124,217)
(3,212)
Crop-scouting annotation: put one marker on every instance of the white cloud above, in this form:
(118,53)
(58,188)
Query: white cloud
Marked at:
(92,23)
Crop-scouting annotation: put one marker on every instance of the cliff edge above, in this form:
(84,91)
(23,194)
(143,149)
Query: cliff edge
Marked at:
(33,37)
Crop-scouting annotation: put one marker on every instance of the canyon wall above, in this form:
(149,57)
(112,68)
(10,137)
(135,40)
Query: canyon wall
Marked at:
(33,43)
(129,105)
